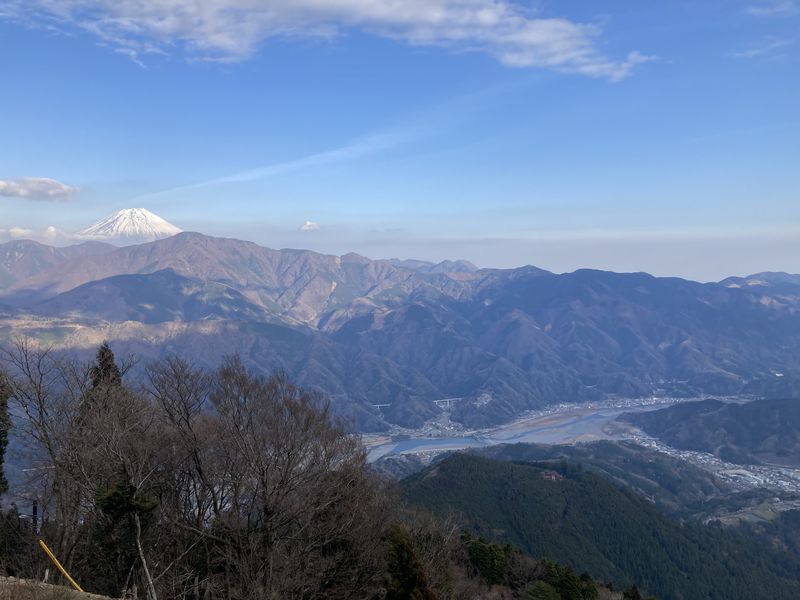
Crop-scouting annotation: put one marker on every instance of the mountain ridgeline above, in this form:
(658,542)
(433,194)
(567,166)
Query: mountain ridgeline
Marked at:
(402,334)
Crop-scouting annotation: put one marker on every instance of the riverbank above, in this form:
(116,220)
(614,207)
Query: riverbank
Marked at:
(558,424)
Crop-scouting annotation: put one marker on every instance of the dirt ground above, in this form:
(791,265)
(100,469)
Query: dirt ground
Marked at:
(22,589)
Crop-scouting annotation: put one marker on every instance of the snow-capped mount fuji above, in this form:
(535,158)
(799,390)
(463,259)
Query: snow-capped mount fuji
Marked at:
(130,226)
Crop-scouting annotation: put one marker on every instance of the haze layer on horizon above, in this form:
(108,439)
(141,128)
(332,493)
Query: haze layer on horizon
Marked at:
(651,137)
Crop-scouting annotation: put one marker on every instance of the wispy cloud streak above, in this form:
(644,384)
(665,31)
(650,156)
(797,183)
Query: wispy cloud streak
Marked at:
(773,8)
(769,48)
(361,148)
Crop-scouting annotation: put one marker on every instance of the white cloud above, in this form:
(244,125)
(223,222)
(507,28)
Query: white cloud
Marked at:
(309,226)
(232,30)
(52,233)
(49,235)
(20,232)
(771,8)
(35,188)
(768,48)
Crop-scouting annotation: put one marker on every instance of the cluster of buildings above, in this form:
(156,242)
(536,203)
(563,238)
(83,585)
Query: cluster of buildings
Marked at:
(740,477)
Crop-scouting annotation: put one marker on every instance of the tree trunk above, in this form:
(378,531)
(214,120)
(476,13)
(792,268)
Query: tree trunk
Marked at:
(148,579)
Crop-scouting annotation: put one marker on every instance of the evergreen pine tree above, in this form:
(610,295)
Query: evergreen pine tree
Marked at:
(105,371)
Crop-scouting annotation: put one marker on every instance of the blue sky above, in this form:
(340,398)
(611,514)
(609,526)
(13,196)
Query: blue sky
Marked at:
(656,136)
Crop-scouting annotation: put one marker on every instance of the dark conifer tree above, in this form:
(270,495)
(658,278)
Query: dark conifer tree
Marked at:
(105,371)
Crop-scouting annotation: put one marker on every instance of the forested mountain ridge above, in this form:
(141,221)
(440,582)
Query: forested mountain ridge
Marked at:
(158,297)
(580,518)
(402,334)
(21,259)
(299,285)
(674,486)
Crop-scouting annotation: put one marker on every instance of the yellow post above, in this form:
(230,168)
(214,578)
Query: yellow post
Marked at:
(52,557)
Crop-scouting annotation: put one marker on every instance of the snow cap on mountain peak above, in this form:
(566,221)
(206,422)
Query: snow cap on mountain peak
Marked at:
(130,225)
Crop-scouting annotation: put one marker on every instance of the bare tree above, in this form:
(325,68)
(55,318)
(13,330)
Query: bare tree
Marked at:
(280,493)
(49,393)
(199,484)
(87,434)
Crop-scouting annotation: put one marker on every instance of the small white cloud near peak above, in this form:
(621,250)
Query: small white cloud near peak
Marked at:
(36,188)
(309,226)
(52,233)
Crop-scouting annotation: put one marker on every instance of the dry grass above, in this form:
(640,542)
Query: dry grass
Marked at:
(23,589)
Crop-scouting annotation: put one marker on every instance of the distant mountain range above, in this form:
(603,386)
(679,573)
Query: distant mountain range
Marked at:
(402,334)
(24,258)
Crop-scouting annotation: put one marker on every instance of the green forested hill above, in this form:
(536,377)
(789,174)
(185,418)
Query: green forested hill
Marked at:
(585,521)
(676,486)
